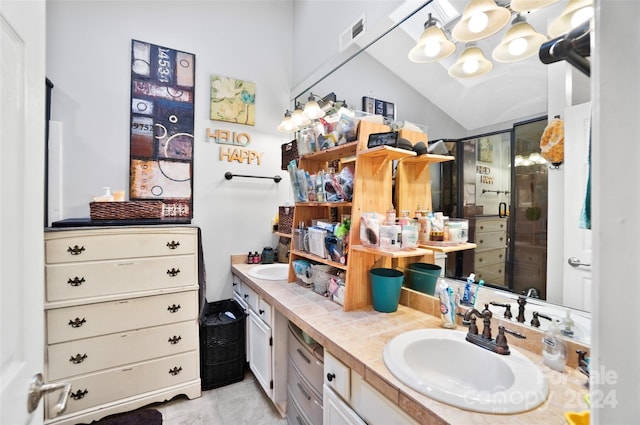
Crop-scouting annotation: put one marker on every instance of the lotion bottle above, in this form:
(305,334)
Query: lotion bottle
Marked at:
(554,348)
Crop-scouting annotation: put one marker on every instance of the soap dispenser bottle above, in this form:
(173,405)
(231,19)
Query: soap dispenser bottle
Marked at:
(554,348)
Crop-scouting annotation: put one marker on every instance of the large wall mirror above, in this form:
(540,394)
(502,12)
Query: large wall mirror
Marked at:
(492,123)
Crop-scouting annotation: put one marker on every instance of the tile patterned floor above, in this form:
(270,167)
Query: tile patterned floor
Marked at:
(242,403)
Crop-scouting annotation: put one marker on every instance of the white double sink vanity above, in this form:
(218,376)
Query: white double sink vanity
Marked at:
(390,368)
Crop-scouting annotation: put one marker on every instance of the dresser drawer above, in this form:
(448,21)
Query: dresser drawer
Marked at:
(132,380)
(308,365)
(309,402)
(490,256)
(69,281)
(490,225)
(92,245)
(103,352)
(493,273)
(84,321)
(490,240)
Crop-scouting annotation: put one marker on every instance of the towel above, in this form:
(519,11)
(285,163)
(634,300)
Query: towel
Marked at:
(585,214)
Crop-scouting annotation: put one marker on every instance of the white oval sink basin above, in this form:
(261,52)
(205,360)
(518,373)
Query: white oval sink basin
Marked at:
(442,365)
(276,271)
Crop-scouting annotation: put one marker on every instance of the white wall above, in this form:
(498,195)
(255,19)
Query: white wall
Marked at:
(88,55)
(616,228)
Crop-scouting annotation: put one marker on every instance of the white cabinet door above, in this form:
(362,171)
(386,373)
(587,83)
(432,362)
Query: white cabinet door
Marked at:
(260,351)
(336,411)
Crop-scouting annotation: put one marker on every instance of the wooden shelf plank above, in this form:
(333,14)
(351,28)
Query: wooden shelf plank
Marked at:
(403,253)
(319,259)
(331,154)
(386,153)
(449,248)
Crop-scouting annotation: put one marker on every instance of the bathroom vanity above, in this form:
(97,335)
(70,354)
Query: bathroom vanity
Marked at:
(353,344)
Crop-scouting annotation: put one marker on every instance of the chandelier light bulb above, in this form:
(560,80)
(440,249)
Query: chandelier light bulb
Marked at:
(518,46)
(470,66)
(478,22)
(432,48)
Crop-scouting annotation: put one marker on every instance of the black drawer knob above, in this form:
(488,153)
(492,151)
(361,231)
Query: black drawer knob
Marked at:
(331,376)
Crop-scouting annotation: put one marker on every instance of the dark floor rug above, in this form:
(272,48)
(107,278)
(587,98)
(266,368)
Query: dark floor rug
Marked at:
(137,417)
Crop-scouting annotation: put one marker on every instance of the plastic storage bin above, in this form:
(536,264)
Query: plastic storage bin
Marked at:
(222,344)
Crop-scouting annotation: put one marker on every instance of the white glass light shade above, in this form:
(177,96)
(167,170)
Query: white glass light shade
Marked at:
(471,63)
(432,46)
(299,118)
(530,5)
(471,28)
(312,110)
(576,12)
(287,125)
(519,42)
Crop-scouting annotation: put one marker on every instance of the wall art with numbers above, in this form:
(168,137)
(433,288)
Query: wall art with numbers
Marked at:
(161,142)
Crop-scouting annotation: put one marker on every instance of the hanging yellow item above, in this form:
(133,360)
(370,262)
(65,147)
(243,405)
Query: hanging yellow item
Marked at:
(552,142)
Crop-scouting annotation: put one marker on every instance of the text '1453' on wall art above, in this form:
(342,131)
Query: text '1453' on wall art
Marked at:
(233,100)
(162,110)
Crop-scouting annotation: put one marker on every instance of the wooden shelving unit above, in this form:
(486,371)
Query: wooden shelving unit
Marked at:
(372,192)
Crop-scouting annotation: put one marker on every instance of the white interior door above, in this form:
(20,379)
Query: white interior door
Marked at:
(22,112)
(577,241)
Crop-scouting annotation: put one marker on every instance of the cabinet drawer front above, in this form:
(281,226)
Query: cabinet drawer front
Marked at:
(64,247)
(490,240)
(90,279)
(491,225)
(250,297)
(70,323)
(337,376)
(264,311)
(295,416)
(114,384)
(304,396)
(491,256)
(308,365)
(92,354)
(493,273)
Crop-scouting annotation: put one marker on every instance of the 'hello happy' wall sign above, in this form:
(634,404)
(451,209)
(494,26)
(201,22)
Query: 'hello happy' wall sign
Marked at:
(234,146)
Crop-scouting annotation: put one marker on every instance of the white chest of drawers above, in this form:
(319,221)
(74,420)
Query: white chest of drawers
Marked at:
(121,314)
(490,236)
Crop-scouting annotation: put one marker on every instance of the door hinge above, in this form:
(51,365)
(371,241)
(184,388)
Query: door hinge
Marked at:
(271,384)
(271,341)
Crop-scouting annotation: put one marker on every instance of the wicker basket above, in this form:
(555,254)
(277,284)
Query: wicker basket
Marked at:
(285,219)
(222,345)
(125,210)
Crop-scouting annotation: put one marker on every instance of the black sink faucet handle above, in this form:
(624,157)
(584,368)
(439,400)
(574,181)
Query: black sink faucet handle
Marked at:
(507,309)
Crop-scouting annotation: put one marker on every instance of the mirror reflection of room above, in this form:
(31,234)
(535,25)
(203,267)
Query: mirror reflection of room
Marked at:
(492,125)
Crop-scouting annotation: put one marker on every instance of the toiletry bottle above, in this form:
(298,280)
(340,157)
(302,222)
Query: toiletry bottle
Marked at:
(250,258)
(554,348)
(447,315)
(566,325)
(466,295)
(390,218)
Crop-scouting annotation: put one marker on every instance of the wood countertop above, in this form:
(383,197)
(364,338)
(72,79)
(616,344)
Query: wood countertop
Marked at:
(358,337)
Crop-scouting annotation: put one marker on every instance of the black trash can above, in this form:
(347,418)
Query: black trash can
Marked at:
(222,344)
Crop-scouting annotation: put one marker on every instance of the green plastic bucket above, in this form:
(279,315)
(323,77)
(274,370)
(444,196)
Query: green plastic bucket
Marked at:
(423,277)
(385,289)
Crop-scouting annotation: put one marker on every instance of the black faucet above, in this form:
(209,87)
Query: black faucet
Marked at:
(499,345)
(535,321)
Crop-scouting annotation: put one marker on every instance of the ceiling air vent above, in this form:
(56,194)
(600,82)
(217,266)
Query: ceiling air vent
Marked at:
(352,33)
